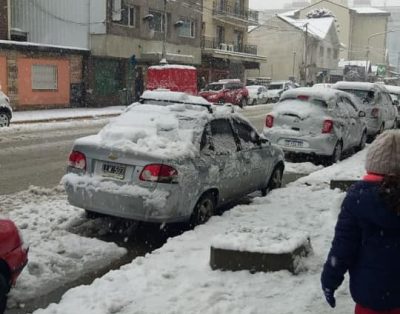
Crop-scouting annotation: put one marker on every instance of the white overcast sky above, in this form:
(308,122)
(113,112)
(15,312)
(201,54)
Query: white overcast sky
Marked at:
(273,4)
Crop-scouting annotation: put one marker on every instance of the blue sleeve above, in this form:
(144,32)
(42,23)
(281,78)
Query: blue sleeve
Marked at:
(345,245)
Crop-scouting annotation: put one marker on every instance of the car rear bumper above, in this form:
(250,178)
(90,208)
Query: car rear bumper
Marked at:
(323,144)
(147,205)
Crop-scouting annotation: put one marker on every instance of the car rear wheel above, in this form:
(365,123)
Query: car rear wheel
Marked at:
(254,102)
(4,288)
(363,140)
(4,119)
(203,210)
(275,181)
(337,153)
(243,103)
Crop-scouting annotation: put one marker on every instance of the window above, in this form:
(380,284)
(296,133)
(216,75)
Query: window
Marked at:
(158,21)
(321,52)
(126,15)
(244,131)
(329,52)
(335,53)
(222,135)
(187,29)
(44,77)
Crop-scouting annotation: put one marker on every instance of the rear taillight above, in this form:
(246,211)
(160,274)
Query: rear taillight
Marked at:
(159,173)
(303,97)
(77,160)
(375,113)
(327,127)
(269,121)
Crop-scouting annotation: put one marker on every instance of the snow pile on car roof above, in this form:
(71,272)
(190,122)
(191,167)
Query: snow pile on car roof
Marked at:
(177,97)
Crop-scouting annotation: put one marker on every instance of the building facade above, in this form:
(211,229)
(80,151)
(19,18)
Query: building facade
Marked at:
(226,52)
(304,50)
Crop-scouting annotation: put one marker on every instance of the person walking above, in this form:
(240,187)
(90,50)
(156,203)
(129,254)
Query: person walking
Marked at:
(367,234)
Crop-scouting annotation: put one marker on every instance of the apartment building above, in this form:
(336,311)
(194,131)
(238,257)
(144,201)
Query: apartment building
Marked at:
(304,50)
(225,49)
(123,36)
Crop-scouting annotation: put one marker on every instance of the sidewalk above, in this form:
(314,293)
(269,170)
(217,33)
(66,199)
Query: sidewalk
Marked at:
(49,115)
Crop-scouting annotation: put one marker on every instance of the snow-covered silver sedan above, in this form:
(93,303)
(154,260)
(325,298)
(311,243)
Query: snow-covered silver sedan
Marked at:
(171,157)
(316,121)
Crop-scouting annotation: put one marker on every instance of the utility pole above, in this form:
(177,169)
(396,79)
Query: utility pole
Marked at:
(164,46)
(294,63)
(398,64)
(306,53)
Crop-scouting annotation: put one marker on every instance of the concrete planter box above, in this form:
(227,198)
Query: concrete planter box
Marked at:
(264,252)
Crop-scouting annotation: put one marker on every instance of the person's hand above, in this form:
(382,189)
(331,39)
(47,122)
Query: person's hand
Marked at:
(329,296)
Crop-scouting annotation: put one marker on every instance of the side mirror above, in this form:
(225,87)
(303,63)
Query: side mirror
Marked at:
(362,114)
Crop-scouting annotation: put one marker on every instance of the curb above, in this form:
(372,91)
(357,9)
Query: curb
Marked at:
(66,119)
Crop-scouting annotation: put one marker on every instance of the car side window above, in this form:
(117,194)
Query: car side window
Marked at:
(244,132)
(351,107)
(342,110)
(222,137)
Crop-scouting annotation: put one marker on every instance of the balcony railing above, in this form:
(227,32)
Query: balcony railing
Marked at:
(223,8)
(214,43)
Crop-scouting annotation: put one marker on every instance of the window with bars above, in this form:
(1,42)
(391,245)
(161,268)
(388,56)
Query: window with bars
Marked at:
(187,29)
(44,77)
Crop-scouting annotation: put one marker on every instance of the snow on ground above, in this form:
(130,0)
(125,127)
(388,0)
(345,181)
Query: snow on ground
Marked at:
(51,114)
(177,277)
(56,256)
(302,167)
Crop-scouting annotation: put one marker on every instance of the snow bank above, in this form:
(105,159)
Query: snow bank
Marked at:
(56,256)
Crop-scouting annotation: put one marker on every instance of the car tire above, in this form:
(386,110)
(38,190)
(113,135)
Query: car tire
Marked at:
(363,141)
(243,103)
(275,181)
(203,210)
(337,153)
(254,102)
(4,288)
(4,119)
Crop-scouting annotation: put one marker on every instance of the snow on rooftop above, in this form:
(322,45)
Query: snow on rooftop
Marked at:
(369,10)
(172,66)
(27,43)
(319,27)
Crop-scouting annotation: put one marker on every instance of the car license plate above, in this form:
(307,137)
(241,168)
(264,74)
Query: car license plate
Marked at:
(114,171)
(293,143)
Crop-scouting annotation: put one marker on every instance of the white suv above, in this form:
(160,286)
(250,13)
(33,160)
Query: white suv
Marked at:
(5,110)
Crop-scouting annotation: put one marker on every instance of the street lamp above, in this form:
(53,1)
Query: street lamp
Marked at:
(368,47)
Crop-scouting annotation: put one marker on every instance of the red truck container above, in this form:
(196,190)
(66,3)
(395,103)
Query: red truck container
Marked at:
(177,78)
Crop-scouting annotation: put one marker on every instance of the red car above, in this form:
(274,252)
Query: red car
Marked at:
(226,91)
(13,258)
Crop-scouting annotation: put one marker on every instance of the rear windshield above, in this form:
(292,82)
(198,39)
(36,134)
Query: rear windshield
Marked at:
(275,86)
(214,87)
(366,96)
(297,102)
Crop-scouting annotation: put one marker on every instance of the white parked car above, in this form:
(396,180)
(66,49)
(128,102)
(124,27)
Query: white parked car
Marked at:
(276,88)
(381,114)
(5,110)
(318,122)
(258,94)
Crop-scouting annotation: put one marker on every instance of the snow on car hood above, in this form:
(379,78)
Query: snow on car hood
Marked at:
(159,131)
